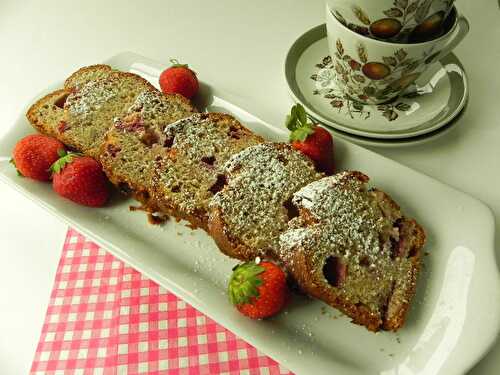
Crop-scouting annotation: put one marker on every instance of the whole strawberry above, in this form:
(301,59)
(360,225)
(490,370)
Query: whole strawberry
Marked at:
(179,79)
(80,179)
(34,154)
(311,140)
(258,290)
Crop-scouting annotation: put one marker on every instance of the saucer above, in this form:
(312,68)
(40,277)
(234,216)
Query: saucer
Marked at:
(396,142)
(421,111)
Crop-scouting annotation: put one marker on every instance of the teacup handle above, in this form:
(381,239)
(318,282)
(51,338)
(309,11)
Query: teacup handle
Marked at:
(461,31)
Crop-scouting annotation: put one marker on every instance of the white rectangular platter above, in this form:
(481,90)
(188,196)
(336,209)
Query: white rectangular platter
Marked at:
(453,321)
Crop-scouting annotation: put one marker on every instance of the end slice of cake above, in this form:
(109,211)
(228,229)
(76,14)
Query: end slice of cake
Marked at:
(89,111)
(352,248)
(47,114)
(87,74)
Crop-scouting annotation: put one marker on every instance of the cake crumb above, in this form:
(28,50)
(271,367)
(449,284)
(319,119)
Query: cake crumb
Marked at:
(156,219)
(191,226)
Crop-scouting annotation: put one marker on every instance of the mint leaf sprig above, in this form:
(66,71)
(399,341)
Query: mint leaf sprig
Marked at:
(297,122)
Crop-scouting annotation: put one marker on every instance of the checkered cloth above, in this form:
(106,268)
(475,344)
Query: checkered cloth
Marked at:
(106,318)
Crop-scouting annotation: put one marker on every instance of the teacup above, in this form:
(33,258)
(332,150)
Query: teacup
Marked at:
(398,21)
(374,72)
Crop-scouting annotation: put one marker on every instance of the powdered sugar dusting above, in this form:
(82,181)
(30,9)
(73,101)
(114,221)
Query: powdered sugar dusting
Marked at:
(154,105)
(199,146)
(90,97)
(261,179)
(342,204)
(197,136)
(147,98)
(344,220)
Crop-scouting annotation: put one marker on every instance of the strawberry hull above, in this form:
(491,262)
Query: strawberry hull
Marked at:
(82,181)
(179,79)
(310,139)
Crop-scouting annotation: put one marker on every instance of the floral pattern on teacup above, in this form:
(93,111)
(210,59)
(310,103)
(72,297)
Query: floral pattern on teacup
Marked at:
(375,81)
(405,21)
(327,88)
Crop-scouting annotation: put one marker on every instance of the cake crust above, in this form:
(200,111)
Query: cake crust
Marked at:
(353,249)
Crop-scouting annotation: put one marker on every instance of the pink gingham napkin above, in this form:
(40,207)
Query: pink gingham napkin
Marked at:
(106,318)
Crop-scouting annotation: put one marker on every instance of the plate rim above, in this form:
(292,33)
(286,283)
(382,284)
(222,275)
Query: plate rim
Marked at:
(289,72)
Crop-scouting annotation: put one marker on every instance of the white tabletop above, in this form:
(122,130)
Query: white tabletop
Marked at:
(238,47)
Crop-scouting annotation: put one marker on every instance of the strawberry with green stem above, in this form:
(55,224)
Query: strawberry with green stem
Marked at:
(258,290)
(310,139)
(80,179)
(179,79)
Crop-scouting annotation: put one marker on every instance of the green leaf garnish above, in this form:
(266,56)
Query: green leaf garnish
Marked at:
(301,114)
(244,282)
(297,123)
(301,133)
(290,122)
(65,158)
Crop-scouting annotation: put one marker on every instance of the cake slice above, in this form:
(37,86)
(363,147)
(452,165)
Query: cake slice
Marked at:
(87,74)
(252,210)
(47,114)
(188,168)
(91,109)
(352,248)
(127,154)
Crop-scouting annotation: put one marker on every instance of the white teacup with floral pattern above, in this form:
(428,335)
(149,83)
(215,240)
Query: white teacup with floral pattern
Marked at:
(373,71)
(399,21)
